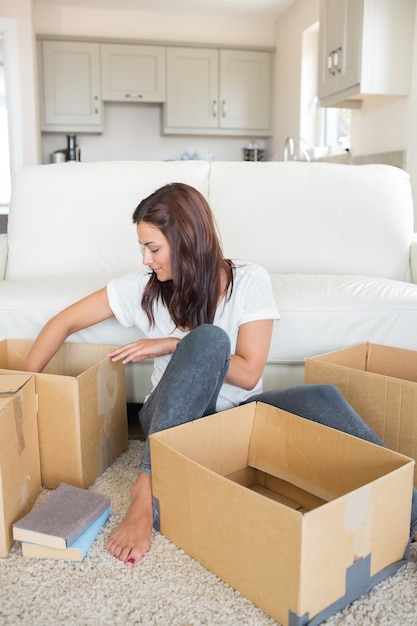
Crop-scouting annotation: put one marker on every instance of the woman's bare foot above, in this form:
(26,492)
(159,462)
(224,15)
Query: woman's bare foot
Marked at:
(132,538)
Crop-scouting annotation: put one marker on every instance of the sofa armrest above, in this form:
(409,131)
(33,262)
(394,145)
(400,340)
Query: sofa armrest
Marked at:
(3,255)
(413,258)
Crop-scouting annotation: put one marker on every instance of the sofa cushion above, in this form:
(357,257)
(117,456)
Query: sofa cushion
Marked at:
(26,305)
(77,217)
(318,313)
(322,313)
(315,218)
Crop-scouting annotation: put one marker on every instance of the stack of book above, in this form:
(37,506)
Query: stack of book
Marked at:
(64,525)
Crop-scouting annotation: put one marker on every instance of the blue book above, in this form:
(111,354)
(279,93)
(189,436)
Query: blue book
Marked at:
(76,551)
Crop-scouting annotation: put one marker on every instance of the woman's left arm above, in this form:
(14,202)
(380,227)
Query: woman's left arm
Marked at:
(252,347)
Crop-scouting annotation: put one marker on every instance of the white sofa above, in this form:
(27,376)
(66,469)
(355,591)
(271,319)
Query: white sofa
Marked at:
(337,240)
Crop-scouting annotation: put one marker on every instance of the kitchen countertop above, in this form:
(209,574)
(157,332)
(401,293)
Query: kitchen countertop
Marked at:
(396,158)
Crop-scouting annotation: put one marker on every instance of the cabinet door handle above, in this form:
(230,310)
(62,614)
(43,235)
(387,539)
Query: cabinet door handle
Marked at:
(133,95)
(337,56)
(334,61)
(224,108)
(96,108)
(330,63)
(214,108)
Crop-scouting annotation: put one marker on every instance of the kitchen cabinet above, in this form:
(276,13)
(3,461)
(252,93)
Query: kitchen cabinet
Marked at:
(366,48)
(132,73)
(70,88)
(211,91)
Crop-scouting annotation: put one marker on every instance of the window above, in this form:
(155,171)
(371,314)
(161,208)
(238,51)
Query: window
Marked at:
(336,128)
(319,127)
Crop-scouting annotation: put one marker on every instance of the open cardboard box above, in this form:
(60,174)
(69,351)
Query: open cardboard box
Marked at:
(20,474)
(380,383)
(299,518)
(82,412)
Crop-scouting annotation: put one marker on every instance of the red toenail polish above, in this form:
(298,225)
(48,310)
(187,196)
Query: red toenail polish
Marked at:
(131,561)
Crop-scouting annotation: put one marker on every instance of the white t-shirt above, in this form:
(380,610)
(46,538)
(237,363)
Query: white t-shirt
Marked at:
(251,300)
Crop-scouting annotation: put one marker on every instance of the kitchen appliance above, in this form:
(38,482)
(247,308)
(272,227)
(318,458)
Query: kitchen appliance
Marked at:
(72,152)
(252,152)
(59,156)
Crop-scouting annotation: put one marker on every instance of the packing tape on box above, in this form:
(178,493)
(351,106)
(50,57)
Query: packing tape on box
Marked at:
(358,582)
(18,412)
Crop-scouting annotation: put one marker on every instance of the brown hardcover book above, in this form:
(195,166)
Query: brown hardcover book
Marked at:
(75,552)
(59,519)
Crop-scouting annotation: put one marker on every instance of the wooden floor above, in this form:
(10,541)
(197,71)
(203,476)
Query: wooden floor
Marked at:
(133,427)
(3,223)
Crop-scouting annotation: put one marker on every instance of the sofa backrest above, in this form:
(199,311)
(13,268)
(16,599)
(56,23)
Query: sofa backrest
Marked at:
(315,218)
(72,218)
(292,217)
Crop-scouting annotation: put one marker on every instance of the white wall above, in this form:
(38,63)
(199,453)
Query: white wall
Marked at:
(381,125)
(21,82)
(133,131)
(288,42)
(385,124)
(147,25)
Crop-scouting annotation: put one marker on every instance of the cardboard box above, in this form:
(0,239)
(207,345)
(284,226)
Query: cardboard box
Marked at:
(82,412)
(380,383)
(20,474)
(299,518)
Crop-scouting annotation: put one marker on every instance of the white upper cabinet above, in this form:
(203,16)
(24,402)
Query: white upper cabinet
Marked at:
(245,89)
(340,41)
(365,49)
(212,91)
(71,100)
(204,90)
(131,72)
(192,88)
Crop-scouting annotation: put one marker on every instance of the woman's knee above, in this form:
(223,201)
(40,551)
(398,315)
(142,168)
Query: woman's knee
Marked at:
(328,392)
(207,336)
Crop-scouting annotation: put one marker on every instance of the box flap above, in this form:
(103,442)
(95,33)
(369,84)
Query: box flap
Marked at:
(382,389)
(72,359)
(4,403)
(320,460)
(13,352)
(373,358)
(393,362)
(354,357)
(12,383)
(219,442)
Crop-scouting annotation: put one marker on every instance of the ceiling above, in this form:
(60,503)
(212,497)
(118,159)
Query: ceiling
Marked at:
(245,8)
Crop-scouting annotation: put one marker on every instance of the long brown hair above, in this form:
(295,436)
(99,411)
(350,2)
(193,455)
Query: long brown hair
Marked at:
(184,217)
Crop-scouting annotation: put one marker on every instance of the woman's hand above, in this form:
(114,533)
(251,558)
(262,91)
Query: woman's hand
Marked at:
(144,349)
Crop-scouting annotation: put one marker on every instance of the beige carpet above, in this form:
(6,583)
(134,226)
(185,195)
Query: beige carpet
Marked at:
(166,588)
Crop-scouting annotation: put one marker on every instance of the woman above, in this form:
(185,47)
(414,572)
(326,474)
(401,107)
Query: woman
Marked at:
(208,325)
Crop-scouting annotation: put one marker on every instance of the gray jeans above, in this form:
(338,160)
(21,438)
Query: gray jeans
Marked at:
(192,381)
